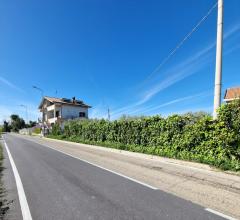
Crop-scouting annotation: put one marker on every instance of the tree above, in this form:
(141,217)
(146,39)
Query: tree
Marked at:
(31,124)
(17,123)
(6,127)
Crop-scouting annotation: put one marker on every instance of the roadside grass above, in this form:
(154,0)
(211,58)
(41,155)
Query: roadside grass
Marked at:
(3,201)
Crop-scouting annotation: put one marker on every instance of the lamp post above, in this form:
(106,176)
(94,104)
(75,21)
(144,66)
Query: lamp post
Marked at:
(39,89)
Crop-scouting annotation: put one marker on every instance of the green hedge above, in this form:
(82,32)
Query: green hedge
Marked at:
(36,131)
(193,136)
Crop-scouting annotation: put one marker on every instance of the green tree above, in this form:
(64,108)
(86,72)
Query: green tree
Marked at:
(17,123)
(56,129)
(31,124)
(6,127)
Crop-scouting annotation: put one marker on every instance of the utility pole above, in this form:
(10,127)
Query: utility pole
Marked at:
(218,73)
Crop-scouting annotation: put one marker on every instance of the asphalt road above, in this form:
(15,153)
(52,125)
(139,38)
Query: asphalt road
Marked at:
(60,187)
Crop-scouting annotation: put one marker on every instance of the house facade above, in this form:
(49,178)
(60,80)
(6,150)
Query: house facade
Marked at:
(57,110)
(232,94)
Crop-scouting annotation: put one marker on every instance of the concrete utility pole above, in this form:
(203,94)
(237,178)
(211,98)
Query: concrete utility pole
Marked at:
(218,73)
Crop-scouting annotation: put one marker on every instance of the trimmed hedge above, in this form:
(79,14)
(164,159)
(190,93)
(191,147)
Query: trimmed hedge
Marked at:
(192,136)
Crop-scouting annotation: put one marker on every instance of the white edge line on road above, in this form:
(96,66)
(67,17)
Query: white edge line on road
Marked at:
(127,152)
(26,214)
(220,214)
(103,168)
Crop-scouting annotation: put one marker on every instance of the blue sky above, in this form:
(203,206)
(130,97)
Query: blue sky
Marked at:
(105,53)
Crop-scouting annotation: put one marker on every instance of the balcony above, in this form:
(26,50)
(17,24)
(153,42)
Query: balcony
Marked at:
(52,120)
(51,108)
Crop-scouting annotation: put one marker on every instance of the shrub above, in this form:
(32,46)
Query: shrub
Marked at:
(56,129)
(192,136)
(37,130)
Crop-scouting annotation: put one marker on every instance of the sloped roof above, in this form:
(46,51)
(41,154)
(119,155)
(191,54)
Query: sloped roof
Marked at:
(64,101)
(232,93)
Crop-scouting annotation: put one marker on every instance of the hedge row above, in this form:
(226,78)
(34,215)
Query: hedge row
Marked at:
(193,136)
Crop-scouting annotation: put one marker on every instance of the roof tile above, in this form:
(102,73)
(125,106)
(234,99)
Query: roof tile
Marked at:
(232,93)
(64,101)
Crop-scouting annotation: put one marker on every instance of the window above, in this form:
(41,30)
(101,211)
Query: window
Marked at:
(82,114)
(57,113)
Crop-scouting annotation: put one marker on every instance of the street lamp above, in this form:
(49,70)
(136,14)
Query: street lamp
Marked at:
(39,89)
(24,106)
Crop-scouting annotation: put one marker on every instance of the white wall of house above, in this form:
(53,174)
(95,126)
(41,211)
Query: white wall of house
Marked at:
(69,112)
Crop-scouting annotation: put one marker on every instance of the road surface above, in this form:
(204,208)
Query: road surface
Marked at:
(58,186)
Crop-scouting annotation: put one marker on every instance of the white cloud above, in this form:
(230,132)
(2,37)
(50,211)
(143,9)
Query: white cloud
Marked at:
(10,84)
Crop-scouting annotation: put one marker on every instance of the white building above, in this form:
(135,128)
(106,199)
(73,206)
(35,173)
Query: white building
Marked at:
(61,109)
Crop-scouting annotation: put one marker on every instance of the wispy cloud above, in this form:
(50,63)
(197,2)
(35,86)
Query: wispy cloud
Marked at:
(150,109)
(98,111)
(184,69)
(10,84)
(231,31)
(174,75)
(193,65)
(178,100)
(231,49)
(188,67)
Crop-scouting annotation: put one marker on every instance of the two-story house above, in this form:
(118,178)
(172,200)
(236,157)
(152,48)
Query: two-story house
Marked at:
(61,109)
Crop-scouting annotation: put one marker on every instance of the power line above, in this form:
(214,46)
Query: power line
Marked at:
(179,45)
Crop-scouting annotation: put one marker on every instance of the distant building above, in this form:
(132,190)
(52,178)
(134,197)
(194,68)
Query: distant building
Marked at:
(61,109)
(232,94)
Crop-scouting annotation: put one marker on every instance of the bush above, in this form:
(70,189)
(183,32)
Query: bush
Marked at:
(36,130)
(192,136)
(56,129)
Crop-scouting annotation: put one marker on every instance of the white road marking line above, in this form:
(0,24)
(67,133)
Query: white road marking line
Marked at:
(26,214)
(103,168)
(220,214)
(127,152)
